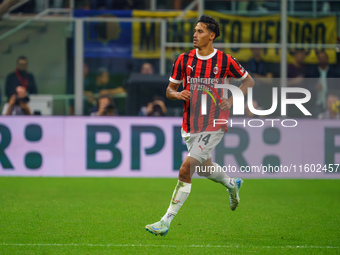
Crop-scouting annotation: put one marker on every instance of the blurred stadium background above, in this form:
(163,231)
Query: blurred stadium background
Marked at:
(119,38)
(83,51)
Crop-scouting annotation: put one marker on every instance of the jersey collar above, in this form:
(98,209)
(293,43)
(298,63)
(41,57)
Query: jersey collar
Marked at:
(205,57)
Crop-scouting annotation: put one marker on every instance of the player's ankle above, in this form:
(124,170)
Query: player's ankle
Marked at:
(168,217)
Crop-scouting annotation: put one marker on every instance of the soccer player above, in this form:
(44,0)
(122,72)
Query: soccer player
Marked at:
(208,65)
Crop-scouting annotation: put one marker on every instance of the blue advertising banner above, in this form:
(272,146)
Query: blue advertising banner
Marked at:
(106,39)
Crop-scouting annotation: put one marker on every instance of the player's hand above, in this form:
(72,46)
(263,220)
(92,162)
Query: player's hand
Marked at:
(184,95)
(226,104)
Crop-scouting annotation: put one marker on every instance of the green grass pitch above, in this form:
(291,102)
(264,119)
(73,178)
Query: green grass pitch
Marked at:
(108,215)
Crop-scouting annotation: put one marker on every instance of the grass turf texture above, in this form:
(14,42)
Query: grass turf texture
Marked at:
(108,215)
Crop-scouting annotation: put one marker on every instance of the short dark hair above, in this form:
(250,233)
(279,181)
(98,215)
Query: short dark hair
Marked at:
(21,58)
(211,23)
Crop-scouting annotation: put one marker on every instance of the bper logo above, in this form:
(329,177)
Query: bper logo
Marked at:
(33,159)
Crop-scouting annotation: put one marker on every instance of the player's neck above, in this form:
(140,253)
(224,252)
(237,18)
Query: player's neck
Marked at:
(206,51)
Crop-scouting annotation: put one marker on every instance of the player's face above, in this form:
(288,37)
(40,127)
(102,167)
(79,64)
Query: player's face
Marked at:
(202,35)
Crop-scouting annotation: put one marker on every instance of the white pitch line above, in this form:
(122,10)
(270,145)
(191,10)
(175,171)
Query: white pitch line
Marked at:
(173,246)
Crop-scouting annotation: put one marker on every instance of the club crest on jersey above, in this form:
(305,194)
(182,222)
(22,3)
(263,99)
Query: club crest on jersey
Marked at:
(215,70)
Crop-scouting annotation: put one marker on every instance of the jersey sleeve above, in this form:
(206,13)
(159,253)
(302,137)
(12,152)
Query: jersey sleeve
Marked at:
(236,70)
(177,73)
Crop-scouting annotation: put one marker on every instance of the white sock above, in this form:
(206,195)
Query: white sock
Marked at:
(221,177)
(180,194)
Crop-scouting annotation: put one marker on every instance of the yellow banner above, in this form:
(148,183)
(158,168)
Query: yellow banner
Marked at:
(235,29)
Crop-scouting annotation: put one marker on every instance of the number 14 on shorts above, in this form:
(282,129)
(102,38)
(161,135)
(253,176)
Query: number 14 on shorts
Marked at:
(204,139)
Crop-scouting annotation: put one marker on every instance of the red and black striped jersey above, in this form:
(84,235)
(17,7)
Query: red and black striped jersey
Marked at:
(199,75)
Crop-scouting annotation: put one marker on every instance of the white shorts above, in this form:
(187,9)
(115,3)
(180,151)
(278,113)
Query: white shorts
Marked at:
(201,144)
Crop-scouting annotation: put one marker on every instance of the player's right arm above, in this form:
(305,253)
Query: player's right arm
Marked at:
(176,78)
(173,94)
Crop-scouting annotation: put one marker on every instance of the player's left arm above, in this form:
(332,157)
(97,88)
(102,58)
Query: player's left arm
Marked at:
(248,82)
(240,74)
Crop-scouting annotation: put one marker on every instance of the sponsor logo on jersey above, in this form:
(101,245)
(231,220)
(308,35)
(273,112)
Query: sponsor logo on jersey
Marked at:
(191,67)
(200,80)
